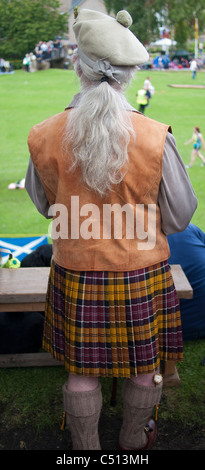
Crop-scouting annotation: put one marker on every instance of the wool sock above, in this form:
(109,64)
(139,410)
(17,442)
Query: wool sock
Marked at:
(138,404)
(82,417)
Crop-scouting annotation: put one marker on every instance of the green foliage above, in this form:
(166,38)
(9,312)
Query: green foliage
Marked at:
(181,32)
(181,16)
(115,5)
(186,11)
(23,24)
(176,14)
(145,23)
(17,64)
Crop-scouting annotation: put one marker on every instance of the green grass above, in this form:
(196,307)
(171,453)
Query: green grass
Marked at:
(182,109)
(33,396)
(185,404)
(27,99)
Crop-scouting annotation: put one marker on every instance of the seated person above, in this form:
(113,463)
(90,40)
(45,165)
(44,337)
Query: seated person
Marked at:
(188,249)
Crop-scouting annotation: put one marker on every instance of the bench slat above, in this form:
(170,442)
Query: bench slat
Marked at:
(23,285)
(182,285)
(24,288)
(28,360)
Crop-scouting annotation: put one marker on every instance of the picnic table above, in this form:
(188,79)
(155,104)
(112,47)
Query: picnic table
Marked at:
(24,289)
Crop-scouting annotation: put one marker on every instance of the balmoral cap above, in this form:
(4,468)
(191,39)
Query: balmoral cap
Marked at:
(101,36)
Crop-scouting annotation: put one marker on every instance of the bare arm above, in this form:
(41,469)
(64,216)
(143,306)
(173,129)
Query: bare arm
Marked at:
(188,142)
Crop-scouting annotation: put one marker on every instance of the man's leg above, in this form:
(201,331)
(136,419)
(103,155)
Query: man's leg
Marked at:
(82,404)
(140,395)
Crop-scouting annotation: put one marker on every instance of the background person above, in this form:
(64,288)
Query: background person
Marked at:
(142,99)
(188,249)
(193,68)
(108,301)
(26,62)
(198,141)
(149,89)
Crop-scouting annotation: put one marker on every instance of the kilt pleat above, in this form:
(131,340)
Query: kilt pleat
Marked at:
(112,324)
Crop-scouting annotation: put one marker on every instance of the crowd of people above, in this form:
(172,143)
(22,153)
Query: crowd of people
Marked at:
(44,50)
(164,61)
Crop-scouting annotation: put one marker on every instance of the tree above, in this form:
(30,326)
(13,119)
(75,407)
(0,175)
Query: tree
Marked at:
(145,21)
(24,23)
(115,5)
(148,15)
(181,16)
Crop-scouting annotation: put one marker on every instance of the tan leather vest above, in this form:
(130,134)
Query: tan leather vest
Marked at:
(119,232)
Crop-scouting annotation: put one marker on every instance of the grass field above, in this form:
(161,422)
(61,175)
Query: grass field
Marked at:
(33,397)
(27,99)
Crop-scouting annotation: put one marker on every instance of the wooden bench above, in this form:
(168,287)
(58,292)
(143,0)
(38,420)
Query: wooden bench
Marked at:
(24,289)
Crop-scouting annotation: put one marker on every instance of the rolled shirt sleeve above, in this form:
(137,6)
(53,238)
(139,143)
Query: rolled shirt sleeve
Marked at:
(177,199)
(36,191)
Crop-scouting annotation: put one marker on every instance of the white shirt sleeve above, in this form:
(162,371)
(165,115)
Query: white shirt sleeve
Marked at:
(177,199)
(36,191)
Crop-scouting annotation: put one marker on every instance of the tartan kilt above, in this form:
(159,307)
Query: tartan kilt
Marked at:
(112,324)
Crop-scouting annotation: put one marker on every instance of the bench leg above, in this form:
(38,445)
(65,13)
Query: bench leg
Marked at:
(113,399)
(170,374)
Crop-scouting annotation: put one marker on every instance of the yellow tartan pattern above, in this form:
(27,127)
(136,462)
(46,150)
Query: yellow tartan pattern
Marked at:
(112,324)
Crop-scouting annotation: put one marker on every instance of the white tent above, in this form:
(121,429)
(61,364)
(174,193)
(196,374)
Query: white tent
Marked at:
(165,43)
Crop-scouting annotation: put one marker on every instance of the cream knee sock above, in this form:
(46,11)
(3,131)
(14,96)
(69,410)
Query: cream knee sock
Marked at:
(82,416)
(138,404)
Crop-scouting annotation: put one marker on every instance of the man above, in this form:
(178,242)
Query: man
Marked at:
(109,288)
(193,68)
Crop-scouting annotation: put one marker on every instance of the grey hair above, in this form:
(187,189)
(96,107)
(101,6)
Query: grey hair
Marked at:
(99,128)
